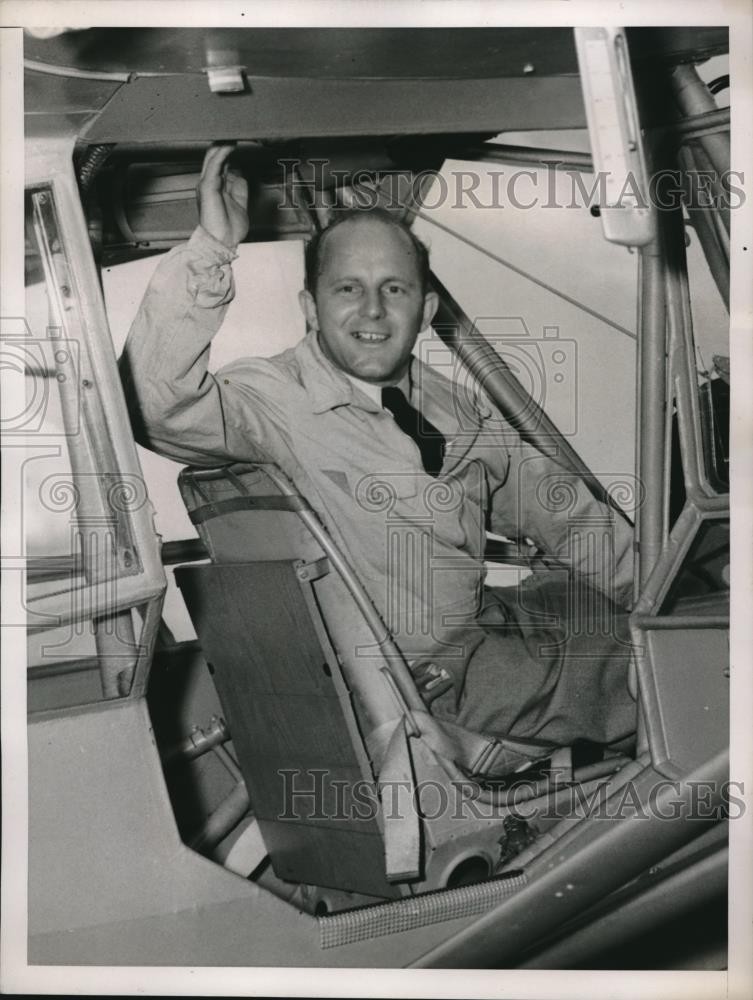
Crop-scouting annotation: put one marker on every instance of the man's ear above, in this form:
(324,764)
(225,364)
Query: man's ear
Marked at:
(431,304)
(308,308)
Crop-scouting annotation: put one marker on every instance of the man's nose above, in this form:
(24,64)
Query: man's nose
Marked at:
(371,303)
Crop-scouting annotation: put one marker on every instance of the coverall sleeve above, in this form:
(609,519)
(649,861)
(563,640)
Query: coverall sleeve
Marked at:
(178,407)
(539,500)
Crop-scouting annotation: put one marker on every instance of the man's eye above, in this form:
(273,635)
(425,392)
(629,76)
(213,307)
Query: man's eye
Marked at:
(394,289)
(347,289)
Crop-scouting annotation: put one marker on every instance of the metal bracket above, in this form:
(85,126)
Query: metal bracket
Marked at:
(226,79)
(310,571)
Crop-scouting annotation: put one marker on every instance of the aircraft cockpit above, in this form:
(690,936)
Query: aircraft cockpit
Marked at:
(193,692)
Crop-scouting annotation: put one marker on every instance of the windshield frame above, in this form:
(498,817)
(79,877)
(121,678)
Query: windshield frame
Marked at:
(50,168)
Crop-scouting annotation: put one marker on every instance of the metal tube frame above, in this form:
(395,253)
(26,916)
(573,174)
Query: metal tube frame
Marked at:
(651,408)
(695,100)
(455,328)
(670,550)
(672,557)
(643,906)
(682,361)
(601,855)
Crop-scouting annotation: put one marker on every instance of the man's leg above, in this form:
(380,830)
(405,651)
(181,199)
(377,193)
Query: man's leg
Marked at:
(553,665)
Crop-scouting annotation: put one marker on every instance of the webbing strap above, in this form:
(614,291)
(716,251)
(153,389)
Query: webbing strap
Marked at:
(479,755)
(402,833)
(234,504)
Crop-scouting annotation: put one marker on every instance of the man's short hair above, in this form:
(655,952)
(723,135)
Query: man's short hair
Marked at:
(314,253)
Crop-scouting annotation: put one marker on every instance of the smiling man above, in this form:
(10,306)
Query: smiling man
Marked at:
(367,296)
(405,479)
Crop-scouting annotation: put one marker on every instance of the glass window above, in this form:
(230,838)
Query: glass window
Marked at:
(703,581)
(76,503)
(707,240)
(714,408)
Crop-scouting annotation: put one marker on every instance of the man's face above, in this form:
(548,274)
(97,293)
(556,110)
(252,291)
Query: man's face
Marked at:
(368,306)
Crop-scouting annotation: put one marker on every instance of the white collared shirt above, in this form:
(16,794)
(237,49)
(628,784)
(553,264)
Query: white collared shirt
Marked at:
(374,392)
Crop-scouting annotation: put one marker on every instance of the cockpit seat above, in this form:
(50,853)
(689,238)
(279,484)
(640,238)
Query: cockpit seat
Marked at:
(354,784)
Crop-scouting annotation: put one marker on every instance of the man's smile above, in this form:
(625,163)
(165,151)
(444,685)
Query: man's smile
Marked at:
(370,337)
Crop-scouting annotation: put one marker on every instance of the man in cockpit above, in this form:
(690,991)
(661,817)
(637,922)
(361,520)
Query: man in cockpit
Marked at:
(405,479)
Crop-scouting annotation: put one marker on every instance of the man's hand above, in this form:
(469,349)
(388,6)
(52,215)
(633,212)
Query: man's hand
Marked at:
(222,195)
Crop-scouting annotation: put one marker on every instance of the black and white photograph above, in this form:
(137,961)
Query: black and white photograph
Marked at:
(376,424)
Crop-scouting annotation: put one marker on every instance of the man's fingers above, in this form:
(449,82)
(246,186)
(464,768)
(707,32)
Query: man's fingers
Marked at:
(218,153)
(214,160)
(236,186)
(222,196)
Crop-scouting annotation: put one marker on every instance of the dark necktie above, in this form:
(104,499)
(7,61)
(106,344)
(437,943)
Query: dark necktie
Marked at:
(430,441)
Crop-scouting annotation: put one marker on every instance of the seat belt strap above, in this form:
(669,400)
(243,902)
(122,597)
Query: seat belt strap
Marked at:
(479,755)
(401,830)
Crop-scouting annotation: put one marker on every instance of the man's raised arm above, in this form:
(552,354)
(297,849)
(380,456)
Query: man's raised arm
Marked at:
(176,405)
